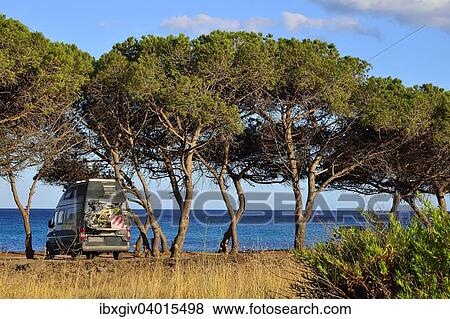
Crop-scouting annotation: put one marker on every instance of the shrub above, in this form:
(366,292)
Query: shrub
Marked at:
(381,261)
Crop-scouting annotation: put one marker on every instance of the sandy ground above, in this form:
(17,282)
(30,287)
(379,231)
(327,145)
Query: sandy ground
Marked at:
(244,256)
(17,261)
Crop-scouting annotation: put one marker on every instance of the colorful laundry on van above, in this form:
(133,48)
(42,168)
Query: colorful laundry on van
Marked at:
(101,217)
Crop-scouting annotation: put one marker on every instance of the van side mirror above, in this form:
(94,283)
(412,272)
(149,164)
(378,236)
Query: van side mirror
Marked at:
(51,224)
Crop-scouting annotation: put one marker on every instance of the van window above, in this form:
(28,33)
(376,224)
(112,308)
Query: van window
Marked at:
(59,217)
(69,217)
(54,217)
(69,194)
(109,190)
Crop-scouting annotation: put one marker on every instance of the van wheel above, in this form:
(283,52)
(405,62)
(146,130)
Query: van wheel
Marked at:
(90,255)
(117,255)
(75,254)
(48,253)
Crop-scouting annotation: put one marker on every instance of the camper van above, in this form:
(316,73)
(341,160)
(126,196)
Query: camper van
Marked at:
(90,219)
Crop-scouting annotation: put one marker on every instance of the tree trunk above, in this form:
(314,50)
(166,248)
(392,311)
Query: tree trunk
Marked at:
(300,227)
(295,180)
(230,234)
(419,213)
(159,239)
(157,231)
(223,247)
(155,241)
(234,235)
(396,198)
(138,247)
(29,252)
(164,244)
(185,210)
(303,221)
(158,234)
(184,205)
(142,230)
(300,234)
(440,195)
(25,212)
(177,246)
(309,207)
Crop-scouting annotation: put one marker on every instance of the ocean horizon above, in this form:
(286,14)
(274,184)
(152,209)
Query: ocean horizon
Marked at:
(257,230)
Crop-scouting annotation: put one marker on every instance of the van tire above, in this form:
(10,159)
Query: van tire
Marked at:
(90,255)
(48,253)
(117,255)
(75,254)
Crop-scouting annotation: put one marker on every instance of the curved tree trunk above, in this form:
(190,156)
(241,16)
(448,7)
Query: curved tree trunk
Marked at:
(145,202)
(164,244)
(419,213)
(29,252)
(142,229)
(440,195)
(185,204)
(158,234)
(223,247)
(307,213)
(396,198)
(138,247)
(300,227)
(159,243)
(300,234)
(157,240)
(25,212)
(185,209)
(178,243)
(235,217)
(234,236)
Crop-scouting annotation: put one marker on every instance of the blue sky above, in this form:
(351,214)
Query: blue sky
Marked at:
(361,28)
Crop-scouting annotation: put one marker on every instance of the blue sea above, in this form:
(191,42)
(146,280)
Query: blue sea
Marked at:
(258,230)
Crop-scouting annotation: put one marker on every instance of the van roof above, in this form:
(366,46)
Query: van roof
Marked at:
(96,180)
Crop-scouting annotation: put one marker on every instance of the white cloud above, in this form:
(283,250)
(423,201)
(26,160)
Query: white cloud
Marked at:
(203,23)
(199,23)
(257,23)
(296,21)
(434,13)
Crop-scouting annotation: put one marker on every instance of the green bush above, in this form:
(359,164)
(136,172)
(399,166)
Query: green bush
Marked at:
(381,261)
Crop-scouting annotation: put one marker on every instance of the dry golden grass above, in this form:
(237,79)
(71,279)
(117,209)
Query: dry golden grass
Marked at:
(250,275)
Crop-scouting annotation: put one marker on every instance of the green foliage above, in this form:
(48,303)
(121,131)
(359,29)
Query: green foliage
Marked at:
(386,104)
(171,76)
(40,81)
(313,73)
(382,262)
(37,75)
(70,168)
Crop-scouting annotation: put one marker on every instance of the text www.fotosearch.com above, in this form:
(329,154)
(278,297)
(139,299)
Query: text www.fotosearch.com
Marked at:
(200,308)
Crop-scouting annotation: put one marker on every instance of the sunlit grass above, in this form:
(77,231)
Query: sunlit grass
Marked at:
(255,275)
